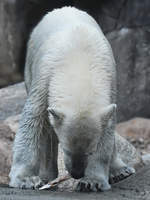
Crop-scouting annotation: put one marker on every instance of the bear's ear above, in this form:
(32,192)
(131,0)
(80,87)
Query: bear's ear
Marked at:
(108,111)
(56,117)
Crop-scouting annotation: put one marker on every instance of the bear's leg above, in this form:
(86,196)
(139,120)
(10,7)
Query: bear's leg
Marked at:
(118,169)
(26,151)
(96,174)
(49,147)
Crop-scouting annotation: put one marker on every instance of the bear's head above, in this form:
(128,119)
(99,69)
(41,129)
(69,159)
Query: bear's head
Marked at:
(80,135)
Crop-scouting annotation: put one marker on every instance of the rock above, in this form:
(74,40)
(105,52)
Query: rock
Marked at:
(135,128)
(13,122)
(11,41)
(129,14)
(137,131)
(114,14)
(6,140)
(131,49)
(12,100)
(16,23)
(146,159)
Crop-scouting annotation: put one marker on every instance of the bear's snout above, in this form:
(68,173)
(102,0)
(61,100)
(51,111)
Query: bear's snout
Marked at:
(77,165)
(75,173)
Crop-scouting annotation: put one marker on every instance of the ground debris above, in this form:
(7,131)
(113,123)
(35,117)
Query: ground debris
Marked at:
(55,182)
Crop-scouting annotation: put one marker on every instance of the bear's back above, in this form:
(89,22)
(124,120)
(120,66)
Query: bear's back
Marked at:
(56,22)
(69,49)
(62,19)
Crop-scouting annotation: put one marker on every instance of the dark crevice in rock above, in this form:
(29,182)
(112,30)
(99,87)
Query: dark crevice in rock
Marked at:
(124,3)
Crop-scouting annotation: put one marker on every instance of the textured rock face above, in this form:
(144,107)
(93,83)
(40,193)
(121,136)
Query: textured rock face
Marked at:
(12,100)
(127,27)
(137,131)
(131,49)
(17,18)
(6,139)
(10,43)
(115,14)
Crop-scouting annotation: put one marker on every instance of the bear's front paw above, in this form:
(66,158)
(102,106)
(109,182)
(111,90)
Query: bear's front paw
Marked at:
(87,184)
(121,174)
(32,182)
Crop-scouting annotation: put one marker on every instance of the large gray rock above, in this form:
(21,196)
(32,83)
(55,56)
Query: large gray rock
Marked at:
(12,100)
(17,18)
(131,49)
(115,14)
(11,41)
(6,139)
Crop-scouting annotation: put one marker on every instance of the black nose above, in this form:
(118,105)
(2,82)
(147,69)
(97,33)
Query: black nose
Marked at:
(78,166)
(77,173)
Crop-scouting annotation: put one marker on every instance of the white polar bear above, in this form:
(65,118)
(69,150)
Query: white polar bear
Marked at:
(70,78)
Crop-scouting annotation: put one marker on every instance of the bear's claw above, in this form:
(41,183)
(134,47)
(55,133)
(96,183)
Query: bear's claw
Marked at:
(87,185)
(33,182)
(121,174)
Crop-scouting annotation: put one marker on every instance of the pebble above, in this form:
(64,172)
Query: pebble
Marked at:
(146,159)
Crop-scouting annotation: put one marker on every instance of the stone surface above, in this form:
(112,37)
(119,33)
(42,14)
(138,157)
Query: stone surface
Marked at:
(127,27)
(115,14)
(12,100)
(136,187)
(11,39)
(131,49)
(6,140)
(137,131)
(16,23)
(146,159)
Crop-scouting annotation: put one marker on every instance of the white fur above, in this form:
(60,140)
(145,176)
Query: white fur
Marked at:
(70,71)
(75,51)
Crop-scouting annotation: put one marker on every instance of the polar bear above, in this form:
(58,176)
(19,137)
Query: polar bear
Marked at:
(70,79)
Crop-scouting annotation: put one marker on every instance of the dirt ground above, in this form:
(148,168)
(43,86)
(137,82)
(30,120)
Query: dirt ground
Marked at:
(135,187)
